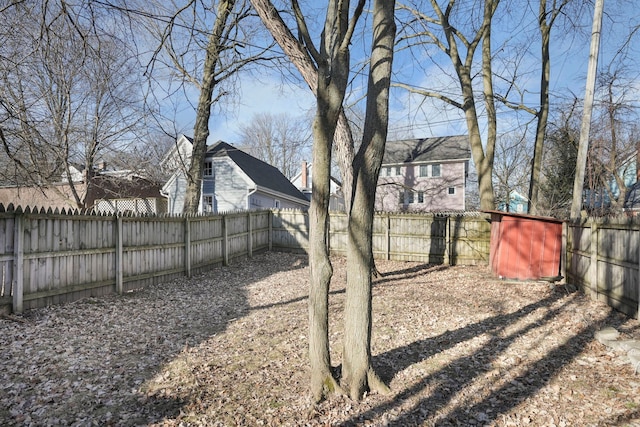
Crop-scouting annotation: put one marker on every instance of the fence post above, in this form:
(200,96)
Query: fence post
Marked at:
(119,255)
(447,241)
(187,246)
(270,238)
(593,264)
(225,241)
(249,236)
(388,236)
(563,252)
(18,264)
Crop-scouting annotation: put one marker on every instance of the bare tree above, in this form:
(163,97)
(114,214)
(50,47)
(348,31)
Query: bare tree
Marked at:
(614,140)
(460,44)
(202,47)
(326,70)
(559,162)
(510,167)
(299,53)
(281,140)
(546,18)
(68,92)
(359,375)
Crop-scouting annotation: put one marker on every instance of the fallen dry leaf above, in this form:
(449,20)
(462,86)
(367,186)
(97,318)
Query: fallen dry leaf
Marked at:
(228,348)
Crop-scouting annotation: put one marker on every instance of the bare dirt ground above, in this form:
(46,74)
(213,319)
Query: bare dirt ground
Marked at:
(227,348)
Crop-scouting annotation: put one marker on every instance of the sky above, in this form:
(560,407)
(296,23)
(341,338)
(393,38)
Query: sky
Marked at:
(411,115)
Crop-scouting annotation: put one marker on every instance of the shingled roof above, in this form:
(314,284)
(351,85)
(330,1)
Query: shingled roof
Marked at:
(261,173)
(427,149)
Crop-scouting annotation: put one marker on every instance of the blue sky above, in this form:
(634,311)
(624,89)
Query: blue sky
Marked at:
(411,115)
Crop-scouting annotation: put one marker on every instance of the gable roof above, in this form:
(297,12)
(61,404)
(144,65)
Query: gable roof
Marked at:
(427,149)
(261,173)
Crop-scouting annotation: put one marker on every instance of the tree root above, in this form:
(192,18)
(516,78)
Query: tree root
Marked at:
(328,386)
(376,384)
(371,383)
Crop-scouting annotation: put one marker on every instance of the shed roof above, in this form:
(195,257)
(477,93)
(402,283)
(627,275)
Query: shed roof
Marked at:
(427,149)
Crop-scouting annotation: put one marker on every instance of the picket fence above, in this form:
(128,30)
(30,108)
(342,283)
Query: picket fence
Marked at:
(54,257)
(51,257)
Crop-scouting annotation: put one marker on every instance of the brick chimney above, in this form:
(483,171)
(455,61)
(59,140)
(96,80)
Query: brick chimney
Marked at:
(304,178)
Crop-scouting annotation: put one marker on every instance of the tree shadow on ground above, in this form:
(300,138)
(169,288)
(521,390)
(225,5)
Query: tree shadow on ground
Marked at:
(102,351)
(446,383)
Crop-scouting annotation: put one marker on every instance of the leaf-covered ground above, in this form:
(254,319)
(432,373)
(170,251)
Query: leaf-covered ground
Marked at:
(227,348)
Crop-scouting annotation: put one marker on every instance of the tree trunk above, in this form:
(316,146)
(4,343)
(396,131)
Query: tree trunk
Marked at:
(203,113)
(298,55)
(482,157)
(543,113)
(333,73)
(322,381)
(358,374)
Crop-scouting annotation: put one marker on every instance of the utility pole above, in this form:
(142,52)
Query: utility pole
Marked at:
(583,147)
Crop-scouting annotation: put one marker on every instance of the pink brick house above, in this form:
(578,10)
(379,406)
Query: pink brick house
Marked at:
(424,175)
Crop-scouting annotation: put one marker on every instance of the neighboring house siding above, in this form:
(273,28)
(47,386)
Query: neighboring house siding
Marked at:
(409,191)
(230,185)
(232,180)
(260,201)
(175,190)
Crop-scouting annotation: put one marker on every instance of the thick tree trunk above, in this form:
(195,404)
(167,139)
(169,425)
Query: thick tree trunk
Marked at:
(322,381)
(358,374)
(333,72)
(545,23)
(203,112)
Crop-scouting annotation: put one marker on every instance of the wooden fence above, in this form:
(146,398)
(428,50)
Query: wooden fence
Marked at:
(439,239)
(603,259)
(51,257)
(55,257)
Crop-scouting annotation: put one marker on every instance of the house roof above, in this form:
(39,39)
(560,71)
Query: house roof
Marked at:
(427,149)
(114,187)
(261,173)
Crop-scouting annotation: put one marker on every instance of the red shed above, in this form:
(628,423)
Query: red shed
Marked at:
(525,247)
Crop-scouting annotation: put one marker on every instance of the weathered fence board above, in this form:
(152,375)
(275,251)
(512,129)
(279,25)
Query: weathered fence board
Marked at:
(50,258)
(64,257)
(603,259)
(450,239)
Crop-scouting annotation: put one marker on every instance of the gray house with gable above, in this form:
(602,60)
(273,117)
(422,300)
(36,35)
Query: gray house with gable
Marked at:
(232,180)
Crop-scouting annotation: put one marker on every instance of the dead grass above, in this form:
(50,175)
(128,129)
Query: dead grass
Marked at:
(229,348)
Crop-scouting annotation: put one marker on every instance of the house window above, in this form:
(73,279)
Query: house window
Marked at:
(435,170)
(208,169)
(452,190)
(407,197)
(398,171)
(207,203)
(387,171)
(276,204)
(424,170)
(420,196)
